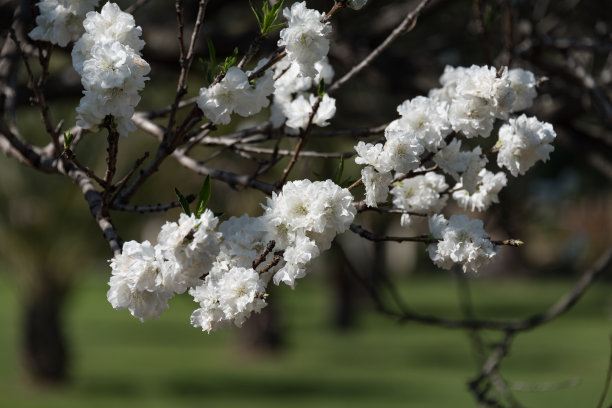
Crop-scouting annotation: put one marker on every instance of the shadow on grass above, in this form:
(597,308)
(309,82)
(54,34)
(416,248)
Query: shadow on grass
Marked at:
(269,387)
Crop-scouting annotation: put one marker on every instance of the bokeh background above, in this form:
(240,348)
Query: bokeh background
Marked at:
(324,344)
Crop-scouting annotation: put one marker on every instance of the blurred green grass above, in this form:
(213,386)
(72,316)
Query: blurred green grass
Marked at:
(118,360)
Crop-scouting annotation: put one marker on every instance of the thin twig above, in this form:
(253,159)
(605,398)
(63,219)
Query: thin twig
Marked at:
(406,25)
(134,7)
(298,147)
(272,264)
(262,257)
(69,154)
(357,229)
(111,162)
(151,208)
(361,206)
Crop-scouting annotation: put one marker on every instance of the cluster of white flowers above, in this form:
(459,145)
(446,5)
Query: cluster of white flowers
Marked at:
(113,72)
(234,93)
(461,241)
(61,21)
(304,66)
(303,220)
(226,267)
(522,142)
(218,267)
(469,103)
(145,277)
(305,37)
(293,103)
(420,194)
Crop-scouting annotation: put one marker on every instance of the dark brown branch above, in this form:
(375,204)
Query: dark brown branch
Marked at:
(357,229)
(69,154)
(361,206)
(489,368)
(232,179)
(272,264)
(151,208)
(37,85)
(269,247)
(111,162)
(185,59)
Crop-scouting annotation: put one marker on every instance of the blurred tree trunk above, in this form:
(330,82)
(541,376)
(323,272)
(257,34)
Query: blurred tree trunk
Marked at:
(263,332)
(344,294)
(43,345)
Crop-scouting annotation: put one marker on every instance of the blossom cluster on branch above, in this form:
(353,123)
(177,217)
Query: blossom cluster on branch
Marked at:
(218,266)
(467,105)
(423,161)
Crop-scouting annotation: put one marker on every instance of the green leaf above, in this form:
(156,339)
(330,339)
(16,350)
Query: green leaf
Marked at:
(203,197)
(276,7)
(229,61)
(211,52)
(267,16)
(275,27)
(321,89)
(203,64)
(183,201)
(68,138)
(258,16)
(339,171)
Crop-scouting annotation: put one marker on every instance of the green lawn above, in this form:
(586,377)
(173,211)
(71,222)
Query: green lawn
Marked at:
(119,361)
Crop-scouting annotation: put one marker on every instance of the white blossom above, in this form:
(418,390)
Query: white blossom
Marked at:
(522,142)
(135,283)
(226,296)
(402,150)
(234,93)
(376,185)
(291,96)
(472,116)
(244,240)
(462,241)
(305,37)
(296,257)
(524,84)
(452,160)
(372,155)
(474,164)
(428,119)
(60,21)
(490,86)
(113,24)
(420,194)
(113,71)
(189,248)
(320,210)
(488,187)
(299,111)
